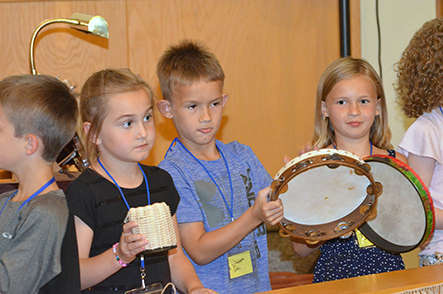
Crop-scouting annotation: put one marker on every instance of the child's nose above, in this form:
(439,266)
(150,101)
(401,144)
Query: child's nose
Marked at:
(354,110)
(143,132)
(205,115)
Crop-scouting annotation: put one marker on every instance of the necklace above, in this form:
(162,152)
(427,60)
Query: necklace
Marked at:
(120,190)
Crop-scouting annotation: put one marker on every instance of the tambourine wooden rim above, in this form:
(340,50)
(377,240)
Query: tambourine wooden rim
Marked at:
(331,158)
(421,190)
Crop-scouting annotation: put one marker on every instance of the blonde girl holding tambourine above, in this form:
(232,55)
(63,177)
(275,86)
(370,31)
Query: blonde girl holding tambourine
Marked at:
(351,115)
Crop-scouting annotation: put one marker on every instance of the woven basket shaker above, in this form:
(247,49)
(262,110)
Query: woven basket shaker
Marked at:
(155,222)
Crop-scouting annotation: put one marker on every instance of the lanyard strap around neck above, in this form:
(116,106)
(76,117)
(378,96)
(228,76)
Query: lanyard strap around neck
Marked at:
(120,190)
(31,197)
(230,209)
(441,110)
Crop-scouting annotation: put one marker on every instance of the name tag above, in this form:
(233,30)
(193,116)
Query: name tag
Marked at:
(240,264)
(362,241)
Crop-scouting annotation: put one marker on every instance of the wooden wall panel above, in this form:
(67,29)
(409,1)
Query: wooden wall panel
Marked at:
(60,50)
(439,7)
(273,53)
(355,28)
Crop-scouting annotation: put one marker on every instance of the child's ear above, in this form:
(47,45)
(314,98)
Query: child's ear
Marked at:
(32,144)
(377,109)
(224,99)
(324,109)
(164,106)
(94,139)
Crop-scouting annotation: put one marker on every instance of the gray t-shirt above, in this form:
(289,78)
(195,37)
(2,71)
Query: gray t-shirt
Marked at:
(30,241)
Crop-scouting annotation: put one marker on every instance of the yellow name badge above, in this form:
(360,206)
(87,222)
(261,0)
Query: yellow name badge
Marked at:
(363,242)
(240,264)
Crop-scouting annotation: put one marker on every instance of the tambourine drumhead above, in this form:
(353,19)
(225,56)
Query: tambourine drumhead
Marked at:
(324,194)
(328,195)
(404,218)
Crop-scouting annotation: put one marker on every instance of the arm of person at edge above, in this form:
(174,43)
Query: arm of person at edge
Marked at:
(182,271)
(401,157)
(303,249)
(94,270)
(424,167)
(204,247)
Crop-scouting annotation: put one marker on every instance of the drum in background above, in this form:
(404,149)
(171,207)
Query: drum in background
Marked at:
(72,153)
(326,193)
(405,217)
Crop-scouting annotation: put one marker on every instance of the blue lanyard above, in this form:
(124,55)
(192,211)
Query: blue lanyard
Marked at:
(120,190)
(230,210)
(369,143)
(441,110)
(31,197)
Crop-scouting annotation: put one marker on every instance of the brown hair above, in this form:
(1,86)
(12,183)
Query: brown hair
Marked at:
(94,97)
(420,70)
(339,70)
(187,63)
(43,106)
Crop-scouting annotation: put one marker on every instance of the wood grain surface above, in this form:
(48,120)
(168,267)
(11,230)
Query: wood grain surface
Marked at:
(273,53)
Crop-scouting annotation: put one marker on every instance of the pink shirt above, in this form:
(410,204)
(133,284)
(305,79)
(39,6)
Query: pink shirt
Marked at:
(425,138)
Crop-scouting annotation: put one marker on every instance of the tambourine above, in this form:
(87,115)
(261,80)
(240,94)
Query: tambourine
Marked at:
(326,193)
(405,213)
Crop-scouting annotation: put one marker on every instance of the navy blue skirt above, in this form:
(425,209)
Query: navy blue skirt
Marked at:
(342,258)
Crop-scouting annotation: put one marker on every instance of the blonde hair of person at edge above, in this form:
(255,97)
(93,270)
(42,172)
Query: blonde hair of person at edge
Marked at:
(351,115)
(117,108)
(420,92)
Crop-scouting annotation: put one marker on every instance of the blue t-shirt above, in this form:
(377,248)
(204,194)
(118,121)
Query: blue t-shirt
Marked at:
(201,201)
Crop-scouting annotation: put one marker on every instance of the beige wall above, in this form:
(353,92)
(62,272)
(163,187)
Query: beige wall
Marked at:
(399,20)
(273,53)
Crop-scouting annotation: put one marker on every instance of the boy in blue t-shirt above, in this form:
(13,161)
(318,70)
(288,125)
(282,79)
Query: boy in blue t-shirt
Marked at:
(223,187)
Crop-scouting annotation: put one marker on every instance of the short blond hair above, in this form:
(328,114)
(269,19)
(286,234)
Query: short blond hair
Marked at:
(339,70)
(186,63)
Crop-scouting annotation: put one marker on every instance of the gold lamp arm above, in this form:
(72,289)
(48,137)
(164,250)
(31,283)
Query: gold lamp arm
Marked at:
(96,25)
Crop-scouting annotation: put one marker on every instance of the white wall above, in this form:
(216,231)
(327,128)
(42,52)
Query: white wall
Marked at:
(399,20)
